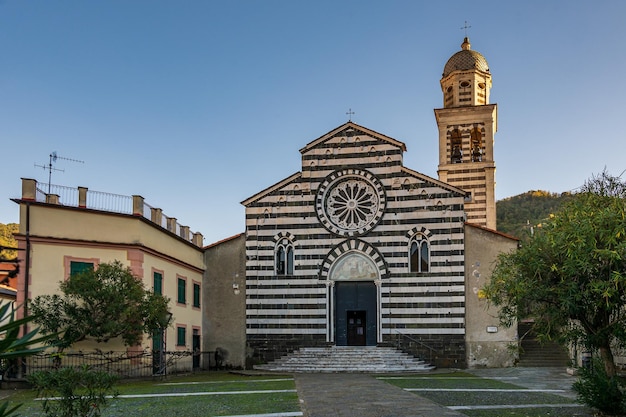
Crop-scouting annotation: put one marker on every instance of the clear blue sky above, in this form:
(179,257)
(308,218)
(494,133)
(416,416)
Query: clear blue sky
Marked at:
(197,105)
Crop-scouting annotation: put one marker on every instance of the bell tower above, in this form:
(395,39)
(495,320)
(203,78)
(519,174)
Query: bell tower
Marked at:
(467,125)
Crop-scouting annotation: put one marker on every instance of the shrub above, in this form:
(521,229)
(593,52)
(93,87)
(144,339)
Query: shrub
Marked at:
(73,392)
(596,389)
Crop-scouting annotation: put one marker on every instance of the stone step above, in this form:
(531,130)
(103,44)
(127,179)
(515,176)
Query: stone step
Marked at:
(537,354)
(370,359)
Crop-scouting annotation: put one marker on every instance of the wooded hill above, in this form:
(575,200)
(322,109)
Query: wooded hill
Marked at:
(6,239)
(516,215)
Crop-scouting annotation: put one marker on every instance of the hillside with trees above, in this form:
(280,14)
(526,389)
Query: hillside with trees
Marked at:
(7,240)
(517,215)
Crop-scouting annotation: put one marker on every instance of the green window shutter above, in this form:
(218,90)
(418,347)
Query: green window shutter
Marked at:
(78,267)
(181,291)
(158,283)
(157,341)
(181,336)
(196,295)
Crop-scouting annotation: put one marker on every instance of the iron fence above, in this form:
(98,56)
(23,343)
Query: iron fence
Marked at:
(123,364)
(115,203)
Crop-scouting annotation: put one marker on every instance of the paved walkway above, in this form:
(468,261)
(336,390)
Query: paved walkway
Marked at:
(361,395)
(533,378)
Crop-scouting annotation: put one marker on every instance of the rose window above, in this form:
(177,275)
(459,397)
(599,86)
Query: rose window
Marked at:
(350,202)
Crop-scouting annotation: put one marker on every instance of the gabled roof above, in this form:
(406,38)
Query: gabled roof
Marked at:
(441,184)
(219,242)
(495,232)
(268,190)
(354,126)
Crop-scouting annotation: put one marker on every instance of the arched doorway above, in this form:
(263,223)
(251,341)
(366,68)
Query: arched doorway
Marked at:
(355,296)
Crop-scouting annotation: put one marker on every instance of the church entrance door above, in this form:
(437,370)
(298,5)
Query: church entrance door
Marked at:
(355,313)
(356,327)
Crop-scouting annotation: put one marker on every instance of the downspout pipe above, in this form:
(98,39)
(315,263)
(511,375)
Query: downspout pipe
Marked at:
(27,266)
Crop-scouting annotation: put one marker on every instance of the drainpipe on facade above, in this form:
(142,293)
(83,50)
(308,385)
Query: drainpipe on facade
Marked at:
(27,266)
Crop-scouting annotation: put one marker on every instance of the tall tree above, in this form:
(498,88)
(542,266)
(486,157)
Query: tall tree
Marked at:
(101,304)
(570,277)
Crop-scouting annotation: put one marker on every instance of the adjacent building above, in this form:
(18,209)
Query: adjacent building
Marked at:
(74,229)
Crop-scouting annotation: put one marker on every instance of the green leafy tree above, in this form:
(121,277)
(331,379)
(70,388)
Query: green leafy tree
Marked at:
(100,305)
(570,277)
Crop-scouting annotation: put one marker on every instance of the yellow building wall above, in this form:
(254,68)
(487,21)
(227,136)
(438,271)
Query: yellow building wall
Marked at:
(59,235)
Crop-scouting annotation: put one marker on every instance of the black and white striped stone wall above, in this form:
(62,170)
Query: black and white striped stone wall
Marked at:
(284,312)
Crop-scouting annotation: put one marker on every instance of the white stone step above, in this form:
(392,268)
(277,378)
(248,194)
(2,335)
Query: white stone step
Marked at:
(370,359)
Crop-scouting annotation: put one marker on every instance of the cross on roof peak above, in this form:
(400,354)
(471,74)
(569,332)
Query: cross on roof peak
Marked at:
(465,27)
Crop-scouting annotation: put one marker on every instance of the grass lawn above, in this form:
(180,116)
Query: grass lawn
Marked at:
(222,394)
(213,394)
(440,383)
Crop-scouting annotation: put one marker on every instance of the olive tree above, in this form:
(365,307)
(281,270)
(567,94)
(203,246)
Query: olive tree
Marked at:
(101,304)
(570,277)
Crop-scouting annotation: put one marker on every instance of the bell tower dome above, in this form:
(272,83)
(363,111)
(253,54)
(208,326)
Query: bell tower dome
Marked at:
(466,78)
(467,124)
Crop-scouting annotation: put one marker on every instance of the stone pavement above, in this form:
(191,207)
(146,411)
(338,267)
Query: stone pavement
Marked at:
(361,395)
(533,378)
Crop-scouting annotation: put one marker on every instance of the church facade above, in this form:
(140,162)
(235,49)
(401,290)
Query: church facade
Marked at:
(358,250)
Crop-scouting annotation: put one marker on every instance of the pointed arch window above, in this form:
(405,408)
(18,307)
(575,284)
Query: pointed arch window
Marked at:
(419,254)
(477,145)
(456,146)
(284,257)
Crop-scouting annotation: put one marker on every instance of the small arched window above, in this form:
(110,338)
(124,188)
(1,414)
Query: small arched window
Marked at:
(419,254)
(477,145)
(456,147)
(284,258)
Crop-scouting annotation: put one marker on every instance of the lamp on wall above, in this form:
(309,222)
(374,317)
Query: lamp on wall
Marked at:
(236,290)
(161,368)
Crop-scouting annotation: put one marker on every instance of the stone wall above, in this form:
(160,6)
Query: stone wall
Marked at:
(267,348)
(443,351)
(224,300)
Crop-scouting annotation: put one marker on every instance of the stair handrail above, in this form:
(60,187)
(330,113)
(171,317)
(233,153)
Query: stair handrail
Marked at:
(430,349)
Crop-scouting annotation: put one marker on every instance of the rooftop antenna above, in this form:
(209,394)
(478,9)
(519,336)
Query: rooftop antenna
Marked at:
(50,168)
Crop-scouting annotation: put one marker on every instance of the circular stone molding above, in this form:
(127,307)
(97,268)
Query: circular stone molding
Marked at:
(350,202)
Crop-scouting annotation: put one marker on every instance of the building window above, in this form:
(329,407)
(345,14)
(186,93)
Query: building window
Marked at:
(456,147)
(419,254)
(196,295)
(157,280)
(284,258)
(476,145)
(181,336)
(78,267)
(181,293)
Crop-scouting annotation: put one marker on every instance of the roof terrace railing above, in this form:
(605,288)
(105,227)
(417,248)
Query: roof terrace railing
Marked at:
(115,203)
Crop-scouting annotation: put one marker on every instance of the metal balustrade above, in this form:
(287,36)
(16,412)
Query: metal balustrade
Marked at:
(114,203)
